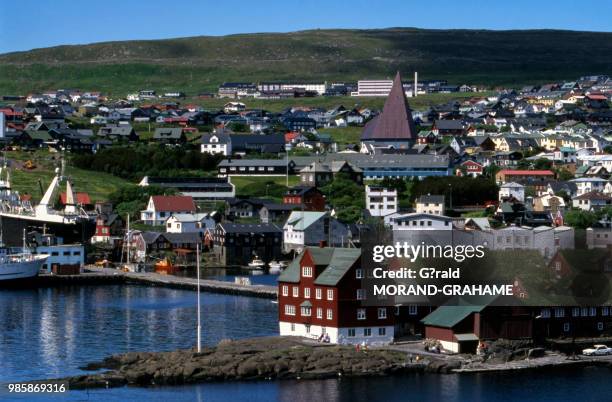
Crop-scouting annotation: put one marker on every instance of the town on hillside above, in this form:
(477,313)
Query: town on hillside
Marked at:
(159,182)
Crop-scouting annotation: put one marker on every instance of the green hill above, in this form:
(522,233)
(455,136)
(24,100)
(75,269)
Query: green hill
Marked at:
(200,63)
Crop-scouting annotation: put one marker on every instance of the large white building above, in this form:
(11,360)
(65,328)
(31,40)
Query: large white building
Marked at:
(512,190)
(430,204)
(381,201)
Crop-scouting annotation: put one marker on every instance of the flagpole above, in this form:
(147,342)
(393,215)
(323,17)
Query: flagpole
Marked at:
(199,329)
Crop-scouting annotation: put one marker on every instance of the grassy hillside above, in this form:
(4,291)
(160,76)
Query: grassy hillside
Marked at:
(201,63)
(98,185)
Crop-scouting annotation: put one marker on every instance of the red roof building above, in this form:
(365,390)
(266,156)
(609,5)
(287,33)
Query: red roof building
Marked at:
(81,199)
(161,207)
(506,175)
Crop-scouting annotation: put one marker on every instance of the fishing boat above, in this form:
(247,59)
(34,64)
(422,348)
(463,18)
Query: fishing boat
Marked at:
(17,266)
(17,214)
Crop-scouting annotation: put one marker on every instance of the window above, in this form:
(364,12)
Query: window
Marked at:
(285,290)
(592,311)
(359,273)
(545,313)
(307,293)
(412,309)
(289,309)
(361,294)
(566,327)
(600,326)
(351,332)
(330,294)
(318,293)
(605,311)
(319,312)
(361,314)
(305,311)
(307,272)
(330,314)
(584,311)
(559,312)
(292,327)
(307,326)
(576,312)
(397,310)
(367,332)
(296,291)
(382,331)
(382,313)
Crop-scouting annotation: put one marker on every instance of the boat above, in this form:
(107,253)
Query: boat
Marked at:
(257,264)
(21,265)
(165,267)
(275,267)
(17,214)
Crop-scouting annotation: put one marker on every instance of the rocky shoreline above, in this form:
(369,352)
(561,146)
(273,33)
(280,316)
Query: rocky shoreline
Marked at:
(273,358)
(251,359)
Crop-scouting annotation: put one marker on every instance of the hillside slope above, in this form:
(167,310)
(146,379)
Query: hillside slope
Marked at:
(200,63)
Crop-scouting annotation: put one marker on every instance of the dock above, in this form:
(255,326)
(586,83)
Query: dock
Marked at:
(109,276)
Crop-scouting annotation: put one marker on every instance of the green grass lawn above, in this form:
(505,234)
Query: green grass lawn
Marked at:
(272,187)
(97,185)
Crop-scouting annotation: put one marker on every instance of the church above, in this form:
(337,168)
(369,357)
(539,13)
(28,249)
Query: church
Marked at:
(394,127)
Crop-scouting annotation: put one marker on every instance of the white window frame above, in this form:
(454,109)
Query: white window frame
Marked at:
(319,312)
(318,294)
(289,309)
(382,313)
(330,294)
(307,293)
(307,272)
(361,314)
(285,290)
(296,291)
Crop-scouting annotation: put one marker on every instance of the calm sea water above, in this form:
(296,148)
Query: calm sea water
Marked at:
(52,332)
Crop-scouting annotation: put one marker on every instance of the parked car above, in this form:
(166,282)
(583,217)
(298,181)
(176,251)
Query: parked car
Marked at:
(597,350)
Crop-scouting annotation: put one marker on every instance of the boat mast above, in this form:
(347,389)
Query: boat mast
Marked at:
(128,239)
(199,328)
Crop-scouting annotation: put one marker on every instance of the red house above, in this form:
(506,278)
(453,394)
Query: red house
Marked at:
(82,199)
(320,297)
(471,168)
(309,196)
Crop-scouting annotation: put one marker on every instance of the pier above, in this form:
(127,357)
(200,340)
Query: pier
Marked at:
(108,276)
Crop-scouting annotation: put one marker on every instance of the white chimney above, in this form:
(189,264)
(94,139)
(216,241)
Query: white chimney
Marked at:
(2,128)
(416,80)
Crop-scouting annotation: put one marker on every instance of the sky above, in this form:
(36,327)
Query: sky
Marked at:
(29,24)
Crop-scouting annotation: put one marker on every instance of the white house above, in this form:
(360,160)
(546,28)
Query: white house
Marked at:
(234,107)
(512,190)
(587,184)
(216,143)
(161,207)
(310,228)
(430,204)
(381,201)
(592,200)
(191,223)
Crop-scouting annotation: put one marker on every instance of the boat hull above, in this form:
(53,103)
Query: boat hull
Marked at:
(21,271)
(13,226)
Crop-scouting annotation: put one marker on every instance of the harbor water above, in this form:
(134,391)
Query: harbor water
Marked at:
(49,333)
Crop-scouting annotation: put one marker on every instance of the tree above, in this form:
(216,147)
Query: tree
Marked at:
(564,174)
(346,197)
(580,219)
(542,164)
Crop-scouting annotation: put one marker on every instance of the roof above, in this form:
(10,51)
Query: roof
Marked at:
(434,199)
(337,262)
(594,195)
(301,220)
(190,217)
(509,172)
(249,228)
(511,184)
(466,337)
(164,132)
(81,198)
(173,203)
(449,316)
(395,121)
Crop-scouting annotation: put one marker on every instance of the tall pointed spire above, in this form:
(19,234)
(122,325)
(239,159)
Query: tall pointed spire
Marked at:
(395,122)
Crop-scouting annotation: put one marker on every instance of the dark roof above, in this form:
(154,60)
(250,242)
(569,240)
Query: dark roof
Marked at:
(189,237)
(395,122)
(435,199)
(165,133)
(336,260)
(249,228)
(594,195)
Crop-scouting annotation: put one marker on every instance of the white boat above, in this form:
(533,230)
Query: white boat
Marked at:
(20,266)
(275,267)
(257,264)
